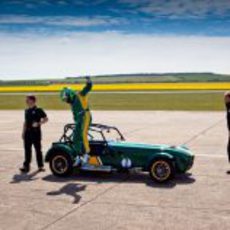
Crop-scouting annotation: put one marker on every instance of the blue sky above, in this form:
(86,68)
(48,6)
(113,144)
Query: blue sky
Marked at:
(181,17)
(120,36)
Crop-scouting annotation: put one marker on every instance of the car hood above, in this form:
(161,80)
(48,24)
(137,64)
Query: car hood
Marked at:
(156,147)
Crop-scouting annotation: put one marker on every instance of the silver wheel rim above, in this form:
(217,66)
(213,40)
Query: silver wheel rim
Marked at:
(59,164)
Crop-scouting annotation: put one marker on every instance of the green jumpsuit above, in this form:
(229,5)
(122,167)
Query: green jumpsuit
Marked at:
(82,116)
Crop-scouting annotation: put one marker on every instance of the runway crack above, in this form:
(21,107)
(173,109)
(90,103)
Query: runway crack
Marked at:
(202,132)
(82,205)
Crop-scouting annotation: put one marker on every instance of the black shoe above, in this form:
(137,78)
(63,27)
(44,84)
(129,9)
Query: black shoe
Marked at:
(24,170)
(41,169)
(228,172)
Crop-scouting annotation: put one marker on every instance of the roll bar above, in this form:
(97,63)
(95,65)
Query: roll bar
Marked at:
(99,128)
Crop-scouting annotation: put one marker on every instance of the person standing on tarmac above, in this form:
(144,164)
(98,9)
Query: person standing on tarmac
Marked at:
(82,118)
(227,103)
(34,118)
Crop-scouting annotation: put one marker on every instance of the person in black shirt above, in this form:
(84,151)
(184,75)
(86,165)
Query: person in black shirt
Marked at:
(227,103)
(34,118)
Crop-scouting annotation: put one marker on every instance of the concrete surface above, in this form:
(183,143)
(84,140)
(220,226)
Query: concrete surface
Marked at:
(197,201)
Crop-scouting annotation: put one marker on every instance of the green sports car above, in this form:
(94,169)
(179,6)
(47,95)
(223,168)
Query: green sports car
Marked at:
(110,152)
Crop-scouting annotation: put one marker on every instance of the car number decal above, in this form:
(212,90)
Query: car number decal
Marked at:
(126,163)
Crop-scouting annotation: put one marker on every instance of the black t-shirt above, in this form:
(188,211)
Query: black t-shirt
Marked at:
(32,115)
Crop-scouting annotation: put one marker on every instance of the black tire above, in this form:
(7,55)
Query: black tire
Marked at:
(161,170)
(61,164)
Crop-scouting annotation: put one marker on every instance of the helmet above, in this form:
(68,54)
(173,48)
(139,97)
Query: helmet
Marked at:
(68,95)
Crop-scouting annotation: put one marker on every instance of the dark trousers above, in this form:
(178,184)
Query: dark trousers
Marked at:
(33,138)
(229,148)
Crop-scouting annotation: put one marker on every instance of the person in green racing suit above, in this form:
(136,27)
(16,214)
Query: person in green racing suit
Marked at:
(82,118)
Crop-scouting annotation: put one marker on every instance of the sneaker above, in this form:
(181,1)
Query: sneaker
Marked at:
(41,169)
(24,170)
(85,159)
(77,162)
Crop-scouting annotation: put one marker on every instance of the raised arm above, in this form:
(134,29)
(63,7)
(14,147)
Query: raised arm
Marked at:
(87,88)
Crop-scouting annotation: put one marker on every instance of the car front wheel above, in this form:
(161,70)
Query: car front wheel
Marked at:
(161,170)
(61,164)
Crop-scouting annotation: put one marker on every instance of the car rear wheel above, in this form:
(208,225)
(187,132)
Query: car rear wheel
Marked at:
(161,170)
(61,164)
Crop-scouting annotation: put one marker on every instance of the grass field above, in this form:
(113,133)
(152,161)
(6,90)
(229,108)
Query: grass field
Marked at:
(129,78)
(210,101)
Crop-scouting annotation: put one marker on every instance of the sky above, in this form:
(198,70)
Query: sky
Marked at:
(62,38)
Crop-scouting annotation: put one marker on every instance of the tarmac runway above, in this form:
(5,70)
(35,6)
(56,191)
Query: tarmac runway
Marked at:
(198,200)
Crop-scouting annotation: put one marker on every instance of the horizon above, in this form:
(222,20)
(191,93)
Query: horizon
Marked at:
(153,74)
(75,37)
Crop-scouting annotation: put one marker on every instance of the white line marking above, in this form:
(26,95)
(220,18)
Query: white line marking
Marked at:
(211,155)
(196,155)
(126,92)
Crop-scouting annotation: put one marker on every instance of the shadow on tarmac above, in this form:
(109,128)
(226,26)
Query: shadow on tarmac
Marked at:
(101,178)
(70,189)
(24,177)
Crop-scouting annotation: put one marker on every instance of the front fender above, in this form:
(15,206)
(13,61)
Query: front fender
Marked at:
(160,155)
(60,147)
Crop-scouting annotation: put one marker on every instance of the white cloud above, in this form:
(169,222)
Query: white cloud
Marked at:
(180,8)
(59,20)
(101,53)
